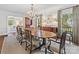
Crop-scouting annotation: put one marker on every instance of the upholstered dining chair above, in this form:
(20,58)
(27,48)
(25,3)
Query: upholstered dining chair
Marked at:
(20,35)
(31,41)
(61,44)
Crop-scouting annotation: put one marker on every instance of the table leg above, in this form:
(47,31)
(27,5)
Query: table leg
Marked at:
(39,47)
(43,44)
(44,41)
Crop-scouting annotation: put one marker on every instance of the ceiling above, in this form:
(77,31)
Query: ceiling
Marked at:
(38,8)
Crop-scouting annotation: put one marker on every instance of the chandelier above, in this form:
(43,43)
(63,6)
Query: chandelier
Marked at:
(31,13)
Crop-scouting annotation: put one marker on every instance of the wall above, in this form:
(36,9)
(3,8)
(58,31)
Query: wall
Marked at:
(76,25)
(3,19)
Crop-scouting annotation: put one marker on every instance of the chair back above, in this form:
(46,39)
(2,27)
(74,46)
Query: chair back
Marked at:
(17,29)
(28,35)
(20,31)
(63,39)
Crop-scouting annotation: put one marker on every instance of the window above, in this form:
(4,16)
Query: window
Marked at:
(66,20)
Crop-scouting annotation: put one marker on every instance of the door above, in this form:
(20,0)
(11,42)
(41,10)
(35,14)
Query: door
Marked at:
(66,22)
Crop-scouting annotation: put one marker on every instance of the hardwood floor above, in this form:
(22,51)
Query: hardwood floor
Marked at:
(11,46)
(1,42)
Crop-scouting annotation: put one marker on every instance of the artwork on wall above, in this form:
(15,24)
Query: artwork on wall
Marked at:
(28,22)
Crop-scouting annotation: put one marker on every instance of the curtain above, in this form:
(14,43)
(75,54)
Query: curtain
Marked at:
(59,22)
(76,24)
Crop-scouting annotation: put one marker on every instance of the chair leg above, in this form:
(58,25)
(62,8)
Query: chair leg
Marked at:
(64,51)
(21,40)
(60,50)
(50,49)
(26,46)
(30,50)
(21,43)
(31,47)
(39,45)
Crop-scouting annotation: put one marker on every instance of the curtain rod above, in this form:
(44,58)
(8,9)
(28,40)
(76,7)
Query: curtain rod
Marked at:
(69,7)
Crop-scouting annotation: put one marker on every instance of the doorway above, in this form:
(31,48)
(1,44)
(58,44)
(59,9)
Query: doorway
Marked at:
(12,22)
(66,22)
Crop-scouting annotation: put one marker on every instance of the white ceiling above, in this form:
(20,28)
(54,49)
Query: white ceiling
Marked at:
(39,8)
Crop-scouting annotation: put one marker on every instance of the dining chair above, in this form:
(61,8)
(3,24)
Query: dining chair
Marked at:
(31,41)
(61,44)
(17,33)
(20,34)
(18,30)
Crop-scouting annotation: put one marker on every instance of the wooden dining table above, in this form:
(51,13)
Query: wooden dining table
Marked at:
(44,35)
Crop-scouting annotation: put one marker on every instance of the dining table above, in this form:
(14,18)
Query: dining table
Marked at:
(44,35)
